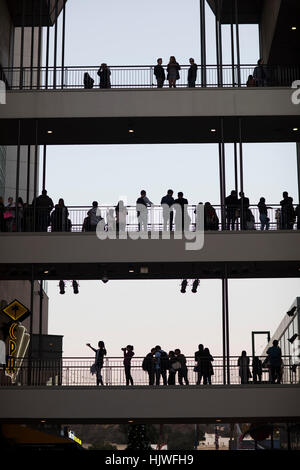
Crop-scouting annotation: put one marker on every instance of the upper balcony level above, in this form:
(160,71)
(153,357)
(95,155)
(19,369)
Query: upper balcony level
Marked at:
(58,109)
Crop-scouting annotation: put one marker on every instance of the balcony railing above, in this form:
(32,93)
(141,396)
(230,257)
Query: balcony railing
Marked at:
(75,218)
(76,372)
(142,76)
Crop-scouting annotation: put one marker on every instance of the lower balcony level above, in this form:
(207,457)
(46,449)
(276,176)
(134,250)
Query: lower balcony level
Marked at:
(233,403)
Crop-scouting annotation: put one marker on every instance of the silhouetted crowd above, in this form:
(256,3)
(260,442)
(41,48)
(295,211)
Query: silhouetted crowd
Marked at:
(42,214)
(164,366)
(259,78)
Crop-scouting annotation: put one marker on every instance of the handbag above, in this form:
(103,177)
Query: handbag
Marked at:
(8,215)
(93,369)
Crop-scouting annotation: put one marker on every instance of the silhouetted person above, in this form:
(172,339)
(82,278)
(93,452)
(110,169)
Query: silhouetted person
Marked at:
(244,204)
(173,72)
(2,220)
(104,74)
(297,213)
(198,356)
(148,366)
(263,214)
(192,74)
(59,217)
(287,212)
(43,205)
(121,214)
(211,220)
(128,355)
(244,370)
(206,365)
(88,81)
(183,370)
(159,73)
(260,74)
(160,365)
(251,81)
(168,214)
(275,361)
(256,370)
(20,215)
(100,353)
(182,218)
(174,366)
(142,204)
(231,205)
(94,217)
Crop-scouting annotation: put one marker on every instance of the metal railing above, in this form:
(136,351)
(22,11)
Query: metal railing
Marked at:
(142,76)
(75,218)
(76,372)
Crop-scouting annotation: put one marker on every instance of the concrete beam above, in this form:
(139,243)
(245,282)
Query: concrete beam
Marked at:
(81,247)
(240,403)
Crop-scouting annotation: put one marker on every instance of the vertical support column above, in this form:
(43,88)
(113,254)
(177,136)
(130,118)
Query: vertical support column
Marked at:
(47,45)
(238,56)
(241,174)
(236,182)
(298,168)
(222,175)
(41,309)
(232,44)
(35,188)
(22,48)
(55,45)
(217,3)
(44,166)
(63,45)
(39,48)
(227,324)
(203,43)
(31,326)
(224,335)
(32,46)
(18,175)
(28,173)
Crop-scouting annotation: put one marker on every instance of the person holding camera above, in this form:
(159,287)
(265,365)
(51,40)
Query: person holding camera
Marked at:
(128,355)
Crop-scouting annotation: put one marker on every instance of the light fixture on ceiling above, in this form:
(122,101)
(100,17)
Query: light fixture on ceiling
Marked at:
(183,286)
(62,286)
(131,131)
(195,285)
(295,129)
(213,130)
(49,132)
(294,28)
(75,286)
(144,270)
(291,312)
(292,339)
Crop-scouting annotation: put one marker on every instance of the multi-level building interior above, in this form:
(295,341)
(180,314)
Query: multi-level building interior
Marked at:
(49,105)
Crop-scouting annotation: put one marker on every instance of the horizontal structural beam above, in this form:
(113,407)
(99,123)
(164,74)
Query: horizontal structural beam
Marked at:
(149,404)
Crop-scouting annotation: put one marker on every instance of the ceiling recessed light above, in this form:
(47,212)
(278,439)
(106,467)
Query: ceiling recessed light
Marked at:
(213,130)
(294,28)
(49,132)
(295,129)
(46,272)
(131,131)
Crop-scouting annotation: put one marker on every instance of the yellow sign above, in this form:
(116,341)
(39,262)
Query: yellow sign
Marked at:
(16,311)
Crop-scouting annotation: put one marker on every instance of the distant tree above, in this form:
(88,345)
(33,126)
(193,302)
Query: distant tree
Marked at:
(102,445)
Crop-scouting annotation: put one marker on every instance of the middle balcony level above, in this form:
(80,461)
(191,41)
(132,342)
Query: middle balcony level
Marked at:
(146,114)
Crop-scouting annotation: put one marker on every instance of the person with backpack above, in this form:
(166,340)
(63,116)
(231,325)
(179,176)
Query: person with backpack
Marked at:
(128,355)
(94,217)
(160,365)
(99,359)
(183,370)
(148,365)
